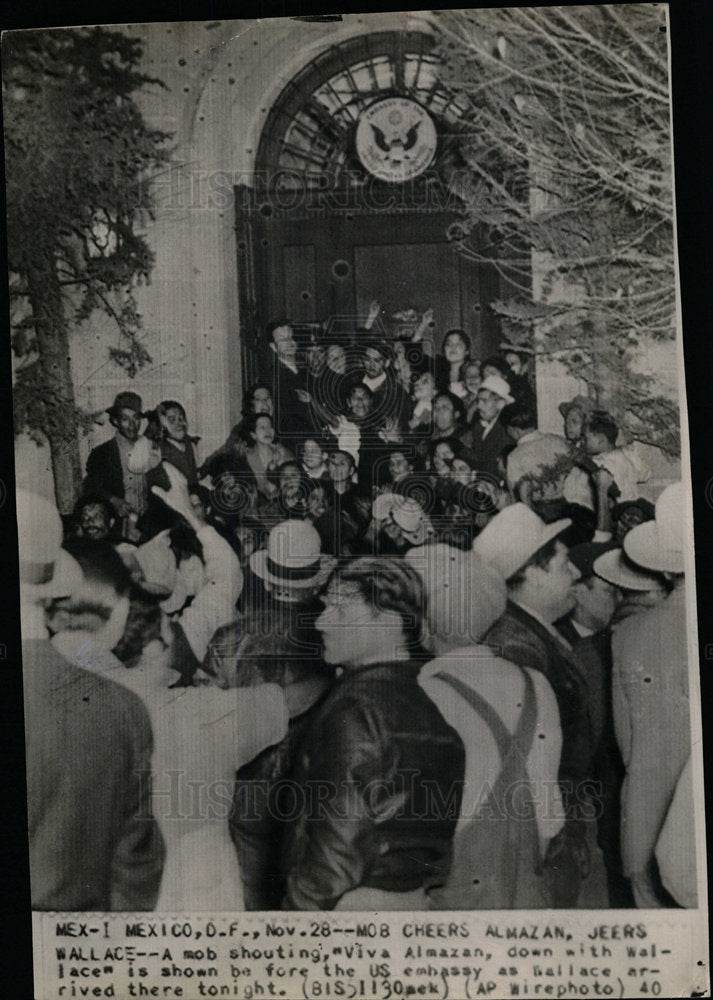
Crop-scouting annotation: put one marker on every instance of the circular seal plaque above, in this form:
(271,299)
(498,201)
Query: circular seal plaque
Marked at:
(396,139)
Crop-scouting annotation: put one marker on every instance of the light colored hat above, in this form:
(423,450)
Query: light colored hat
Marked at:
(465,594)
(46,569)
(406,512)
(293,557)
(514,536)
(658,544)
(614,567)
(498,385)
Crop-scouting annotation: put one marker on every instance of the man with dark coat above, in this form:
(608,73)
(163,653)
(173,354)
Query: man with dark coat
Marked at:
(390,402)
(540,578)
(108,472)
(379,772)
(276,643)
(652,709)
(94,844)
(487,438)
(292,417)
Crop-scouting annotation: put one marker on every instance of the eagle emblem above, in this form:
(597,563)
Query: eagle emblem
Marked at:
(396,139)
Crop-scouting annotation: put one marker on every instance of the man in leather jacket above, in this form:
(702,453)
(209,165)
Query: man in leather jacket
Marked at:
(378,778)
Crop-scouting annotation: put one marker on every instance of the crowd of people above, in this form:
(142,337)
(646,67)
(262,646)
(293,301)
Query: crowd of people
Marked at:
(389,647)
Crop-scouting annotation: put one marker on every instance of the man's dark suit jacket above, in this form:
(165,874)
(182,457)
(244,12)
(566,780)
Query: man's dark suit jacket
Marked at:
(520,638)
(94,844)
(488,449)
(390,402)
(104,472)
(292,417)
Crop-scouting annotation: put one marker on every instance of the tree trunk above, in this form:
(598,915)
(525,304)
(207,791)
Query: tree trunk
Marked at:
(58,390)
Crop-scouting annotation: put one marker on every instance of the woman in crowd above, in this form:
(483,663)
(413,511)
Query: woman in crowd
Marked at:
(440,456)
(451,363)
(262,453)
(423,393)
(257,399)
(177,446)
(381,836)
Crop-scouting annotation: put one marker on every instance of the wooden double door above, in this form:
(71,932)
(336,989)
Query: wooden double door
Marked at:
(326,267)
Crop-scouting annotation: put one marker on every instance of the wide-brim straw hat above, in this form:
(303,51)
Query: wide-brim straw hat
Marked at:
(514,536)
(614,567)
(658,544)
(293,557)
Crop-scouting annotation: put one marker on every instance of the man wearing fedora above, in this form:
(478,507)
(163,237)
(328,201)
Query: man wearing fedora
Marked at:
(575,414)
(540,579)
(651,699)
(292,569)
(487,437)
(94,844)
(108,472)
(276,643)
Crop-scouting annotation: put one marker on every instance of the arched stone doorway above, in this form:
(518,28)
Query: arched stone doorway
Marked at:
(319,236)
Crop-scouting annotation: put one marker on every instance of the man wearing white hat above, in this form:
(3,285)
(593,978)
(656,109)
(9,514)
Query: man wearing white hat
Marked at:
(478,693)
(651,699)
(94,844)
(488,437)
(398,523)
(275,643)
(634,591)
(540,578)
(292,569)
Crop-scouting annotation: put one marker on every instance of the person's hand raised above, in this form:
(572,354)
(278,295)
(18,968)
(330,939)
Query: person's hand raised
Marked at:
(179,499)
(374,310)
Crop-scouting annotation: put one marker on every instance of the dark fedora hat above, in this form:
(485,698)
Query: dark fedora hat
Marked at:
(126,401)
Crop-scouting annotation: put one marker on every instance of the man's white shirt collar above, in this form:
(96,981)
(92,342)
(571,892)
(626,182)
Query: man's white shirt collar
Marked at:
(488,427)
(374,383)
(583,630)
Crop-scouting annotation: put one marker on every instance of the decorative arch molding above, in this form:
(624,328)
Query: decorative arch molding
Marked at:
(253,67)
(308,135)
